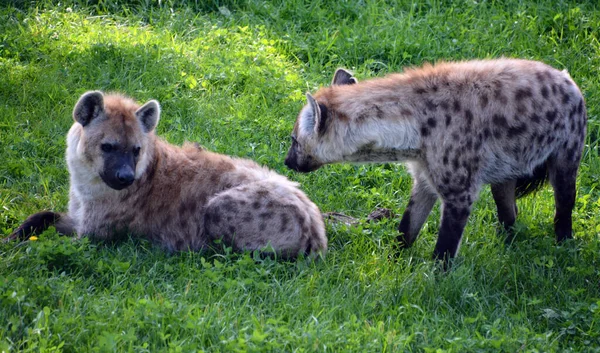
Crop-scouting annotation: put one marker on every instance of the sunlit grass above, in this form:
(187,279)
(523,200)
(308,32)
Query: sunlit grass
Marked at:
(232,76)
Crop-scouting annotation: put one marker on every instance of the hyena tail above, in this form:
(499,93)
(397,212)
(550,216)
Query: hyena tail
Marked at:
(37,223)
(529,184)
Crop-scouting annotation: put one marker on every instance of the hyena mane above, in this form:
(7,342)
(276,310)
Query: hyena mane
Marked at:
(126,180)
(509,123)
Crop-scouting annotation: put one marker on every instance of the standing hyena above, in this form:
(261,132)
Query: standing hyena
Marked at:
(124,179)
(508,123)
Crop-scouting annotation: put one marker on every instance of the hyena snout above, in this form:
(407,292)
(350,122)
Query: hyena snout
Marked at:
(119,173)
(302,165)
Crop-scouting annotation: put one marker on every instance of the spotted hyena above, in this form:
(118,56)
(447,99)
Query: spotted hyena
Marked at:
(509,123)
(124,179)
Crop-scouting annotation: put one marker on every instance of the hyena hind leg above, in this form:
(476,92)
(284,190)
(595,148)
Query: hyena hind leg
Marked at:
(562,175)
(37,223)
(504,196)
(265,215)
(419,206)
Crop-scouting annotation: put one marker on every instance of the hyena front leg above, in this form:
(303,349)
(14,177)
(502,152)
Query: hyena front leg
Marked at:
(562,175)
(419,206)
(504,196)
(456,208)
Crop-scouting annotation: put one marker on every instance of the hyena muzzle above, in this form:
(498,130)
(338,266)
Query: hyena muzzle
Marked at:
(510,123)
(126,180)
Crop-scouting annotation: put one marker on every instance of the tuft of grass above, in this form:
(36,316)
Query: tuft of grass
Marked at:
(231,75)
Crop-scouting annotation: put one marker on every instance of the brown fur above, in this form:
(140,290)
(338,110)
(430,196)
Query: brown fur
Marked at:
(182,198)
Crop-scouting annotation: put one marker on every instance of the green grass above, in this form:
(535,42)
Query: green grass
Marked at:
(231,75)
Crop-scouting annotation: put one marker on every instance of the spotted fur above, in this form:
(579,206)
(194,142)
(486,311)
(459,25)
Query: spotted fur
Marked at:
(458,125)
(126,180)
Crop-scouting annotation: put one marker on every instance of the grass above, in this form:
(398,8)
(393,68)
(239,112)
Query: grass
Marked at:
(231,75)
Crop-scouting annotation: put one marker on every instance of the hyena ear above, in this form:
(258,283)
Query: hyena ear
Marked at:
(343,77)
(148,114)
(88,107)
(314,118)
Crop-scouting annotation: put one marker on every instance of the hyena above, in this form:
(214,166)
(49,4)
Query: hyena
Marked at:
(458,125)
(126,180)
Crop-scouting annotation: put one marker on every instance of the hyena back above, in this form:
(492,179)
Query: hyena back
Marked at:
(509,123)
(126,180)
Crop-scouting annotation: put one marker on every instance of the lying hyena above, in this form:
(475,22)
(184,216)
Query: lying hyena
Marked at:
(508,123)
(124,179)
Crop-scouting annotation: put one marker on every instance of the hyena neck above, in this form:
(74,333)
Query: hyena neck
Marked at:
(381,140)
(368,154)
(377,125)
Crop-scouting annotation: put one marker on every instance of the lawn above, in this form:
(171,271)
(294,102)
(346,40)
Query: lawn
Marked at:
(231,76)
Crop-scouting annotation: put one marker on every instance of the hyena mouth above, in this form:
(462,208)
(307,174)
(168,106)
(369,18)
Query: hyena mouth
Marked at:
(118,181)
(302,168)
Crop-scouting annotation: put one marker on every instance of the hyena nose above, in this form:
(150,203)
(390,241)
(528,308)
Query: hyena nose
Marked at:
(290,164)
(125,176)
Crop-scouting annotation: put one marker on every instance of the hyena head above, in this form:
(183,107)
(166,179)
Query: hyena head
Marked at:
(313,136)
(115,136)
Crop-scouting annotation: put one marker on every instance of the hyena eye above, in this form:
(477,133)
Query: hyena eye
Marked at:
(136,151)
(106,147)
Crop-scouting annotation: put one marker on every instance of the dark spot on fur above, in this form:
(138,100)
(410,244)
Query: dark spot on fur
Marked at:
(521,109)
(284,222)
(535,118)
(486,133)
(554,89)
(469,144)
(431,122)
(445,105)
(468,116)
(448,120)
(445,160)
(540,76)
(430,105)
(256,205)
(455,163)
(551,115)
(499,96)
(231,230)
(540,138)
(265,215)
(544,91)
(515,131)
(484,100)
(420,90)
(580,107)
(424,130)
(499,121)
(456,106)
(523,93)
